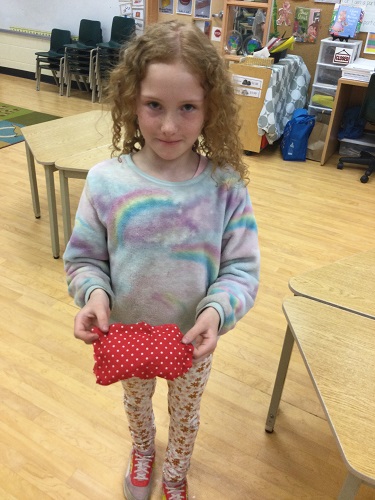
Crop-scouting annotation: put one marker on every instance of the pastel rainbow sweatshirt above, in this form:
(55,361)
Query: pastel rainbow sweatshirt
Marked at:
(163,251)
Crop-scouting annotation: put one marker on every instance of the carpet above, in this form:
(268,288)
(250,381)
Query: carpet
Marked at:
(13,118)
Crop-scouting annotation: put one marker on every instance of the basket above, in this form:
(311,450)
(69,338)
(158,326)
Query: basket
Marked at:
(257,61)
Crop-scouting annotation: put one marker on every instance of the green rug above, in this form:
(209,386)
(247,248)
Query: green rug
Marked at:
(13,118)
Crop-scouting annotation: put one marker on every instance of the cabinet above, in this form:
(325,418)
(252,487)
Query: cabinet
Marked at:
(250,107)
(265,100)
(230,11)
(333,55)
(349,93)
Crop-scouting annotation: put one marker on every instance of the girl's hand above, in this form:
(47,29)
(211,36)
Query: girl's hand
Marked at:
(204,334)
(95,313)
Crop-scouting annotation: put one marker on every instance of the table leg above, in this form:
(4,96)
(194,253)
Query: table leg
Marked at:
(280,379)
(52,210)
(350,487)
(33,181)
(65,204)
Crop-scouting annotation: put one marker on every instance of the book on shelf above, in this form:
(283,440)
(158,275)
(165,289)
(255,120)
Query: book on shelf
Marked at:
(346,21)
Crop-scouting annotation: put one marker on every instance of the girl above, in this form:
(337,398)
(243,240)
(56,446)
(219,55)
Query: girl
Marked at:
(165,232)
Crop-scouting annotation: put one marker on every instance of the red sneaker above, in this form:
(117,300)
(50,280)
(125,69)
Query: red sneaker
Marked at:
(137,483)
(175,492)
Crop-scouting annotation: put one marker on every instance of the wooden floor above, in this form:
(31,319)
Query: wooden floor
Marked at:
(64,437)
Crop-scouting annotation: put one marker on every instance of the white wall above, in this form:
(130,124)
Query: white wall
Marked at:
(18,51)
(45,15)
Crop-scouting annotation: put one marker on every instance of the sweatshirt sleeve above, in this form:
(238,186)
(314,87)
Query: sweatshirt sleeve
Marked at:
(233,292)
(86,258)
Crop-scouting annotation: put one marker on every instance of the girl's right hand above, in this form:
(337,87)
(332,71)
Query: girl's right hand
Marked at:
(95,313)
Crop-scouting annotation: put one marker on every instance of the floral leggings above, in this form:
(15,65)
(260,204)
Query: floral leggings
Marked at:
(184,397)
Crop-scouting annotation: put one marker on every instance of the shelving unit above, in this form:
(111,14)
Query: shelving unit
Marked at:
(151,12)
(333,55)
(229,14)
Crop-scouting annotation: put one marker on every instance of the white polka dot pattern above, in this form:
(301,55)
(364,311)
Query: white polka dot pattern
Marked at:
(140,350)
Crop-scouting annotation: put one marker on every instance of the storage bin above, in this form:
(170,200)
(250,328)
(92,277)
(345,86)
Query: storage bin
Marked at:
(317,110)
(323,96)
(353,147)
(327,74)
(328,50)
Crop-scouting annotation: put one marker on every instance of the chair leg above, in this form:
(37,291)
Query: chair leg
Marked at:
(62,77)
(37,75)
(54,73)
(68,83)
(366,175)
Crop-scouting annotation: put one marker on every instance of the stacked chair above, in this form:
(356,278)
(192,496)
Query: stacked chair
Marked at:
(122,30)
(88,60)
(53,60)
(80,56)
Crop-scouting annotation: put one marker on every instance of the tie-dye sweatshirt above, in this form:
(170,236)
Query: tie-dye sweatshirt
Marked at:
(163,251)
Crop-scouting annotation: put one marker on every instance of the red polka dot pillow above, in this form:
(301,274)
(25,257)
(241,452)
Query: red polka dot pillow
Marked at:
(140,350)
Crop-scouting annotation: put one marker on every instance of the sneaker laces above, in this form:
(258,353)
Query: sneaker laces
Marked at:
(176,492)
(142,464)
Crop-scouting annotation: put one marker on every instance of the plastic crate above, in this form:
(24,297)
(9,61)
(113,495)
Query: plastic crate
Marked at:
(323,96)
(327,74)
(328,51)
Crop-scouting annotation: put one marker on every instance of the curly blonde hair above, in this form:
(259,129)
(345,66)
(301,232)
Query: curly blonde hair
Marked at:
(170,42)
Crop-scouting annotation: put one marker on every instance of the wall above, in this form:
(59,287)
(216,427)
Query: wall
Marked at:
(66,14)
(18,51)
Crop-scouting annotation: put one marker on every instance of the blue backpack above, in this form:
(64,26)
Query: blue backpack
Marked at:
(296,135)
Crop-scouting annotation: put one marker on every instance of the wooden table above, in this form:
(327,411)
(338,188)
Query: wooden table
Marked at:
(338,349)
(76,166)
(337,308)
(45,142)
(348,283)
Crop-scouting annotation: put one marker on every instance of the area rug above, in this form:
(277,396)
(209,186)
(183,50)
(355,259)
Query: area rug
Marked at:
(13,118)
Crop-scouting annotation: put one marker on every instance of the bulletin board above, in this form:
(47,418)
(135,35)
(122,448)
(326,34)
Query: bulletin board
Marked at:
(308,51)
(44,15)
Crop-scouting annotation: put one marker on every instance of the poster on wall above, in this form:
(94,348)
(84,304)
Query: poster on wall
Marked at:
(139,26)
(370,44)
(346,21)
(138,3)
(184,7)
(166,6)
(368,21)
(204,26)
(202,9)
(125,8)
(216,33)
(306,24)
(138,14)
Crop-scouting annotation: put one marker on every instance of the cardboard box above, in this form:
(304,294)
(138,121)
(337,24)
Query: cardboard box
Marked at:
(316,140)
(250,98)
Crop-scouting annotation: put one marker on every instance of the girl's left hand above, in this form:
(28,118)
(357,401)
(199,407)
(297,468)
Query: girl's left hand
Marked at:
(204,334)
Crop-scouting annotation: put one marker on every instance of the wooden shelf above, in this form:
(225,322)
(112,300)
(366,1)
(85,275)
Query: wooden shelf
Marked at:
(151,12)
(247,5)
(228,20)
